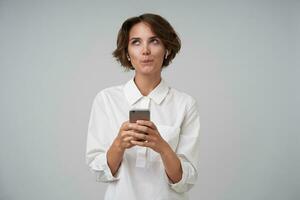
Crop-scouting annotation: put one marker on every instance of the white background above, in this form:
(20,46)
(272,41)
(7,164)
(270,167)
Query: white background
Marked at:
(239,59)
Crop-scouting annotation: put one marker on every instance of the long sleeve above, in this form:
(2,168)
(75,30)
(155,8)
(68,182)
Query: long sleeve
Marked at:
(98,141)
(188,150)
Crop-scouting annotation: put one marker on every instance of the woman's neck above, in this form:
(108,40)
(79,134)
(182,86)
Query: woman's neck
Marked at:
(146,83)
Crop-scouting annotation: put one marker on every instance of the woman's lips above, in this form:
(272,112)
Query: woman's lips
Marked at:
(146,61)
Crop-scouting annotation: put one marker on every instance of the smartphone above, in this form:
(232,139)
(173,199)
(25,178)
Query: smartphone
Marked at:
(135,115)
(139,114)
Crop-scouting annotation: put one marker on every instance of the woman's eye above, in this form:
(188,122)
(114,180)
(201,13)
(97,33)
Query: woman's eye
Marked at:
(155,41)
(135,42)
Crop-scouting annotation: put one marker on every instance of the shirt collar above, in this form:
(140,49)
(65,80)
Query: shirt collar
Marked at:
(133,94)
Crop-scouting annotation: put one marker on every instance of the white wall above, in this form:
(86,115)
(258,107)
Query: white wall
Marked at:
(239,59)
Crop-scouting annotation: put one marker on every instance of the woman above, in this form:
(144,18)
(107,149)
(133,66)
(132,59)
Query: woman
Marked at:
(155,159)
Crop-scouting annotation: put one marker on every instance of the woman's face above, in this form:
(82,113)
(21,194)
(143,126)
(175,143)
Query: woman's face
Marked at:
(145,49)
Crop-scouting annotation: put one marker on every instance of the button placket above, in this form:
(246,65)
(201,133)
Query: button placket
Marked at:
(141,157)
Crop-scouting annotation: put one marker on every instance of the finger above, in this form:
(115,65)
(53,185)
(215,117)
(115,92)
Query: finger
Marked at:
(139,128)
(142,129)
(141,136)
(126,126)
(128,133)
(127,139)
(146,130)
(129,126)
(142,143)
(123,126)
(149,124)
(129,145)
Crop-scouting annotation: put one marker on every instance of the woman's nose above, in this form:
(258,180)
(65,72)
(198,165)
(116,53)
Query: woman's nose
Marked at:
(146,50)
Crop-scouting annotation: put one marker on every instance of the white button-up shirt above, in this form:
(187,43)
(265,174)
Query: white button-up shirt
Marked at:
(141,175)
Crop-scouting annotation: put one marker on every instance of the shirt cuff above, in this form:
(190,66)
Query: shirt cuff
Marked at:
(101,169)
(180,185)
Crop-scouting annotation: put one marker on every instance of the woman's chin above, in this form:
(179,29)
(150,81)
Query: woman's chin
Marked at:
(147,70)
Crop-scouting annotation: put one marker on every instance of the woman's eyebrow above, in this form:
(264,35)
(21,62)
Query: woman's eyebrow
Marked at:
(134,38)
(137,38)
(154,37)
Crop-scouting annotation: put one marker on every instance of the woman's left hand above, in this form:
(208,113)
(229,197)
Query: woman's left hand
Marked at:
(148,133)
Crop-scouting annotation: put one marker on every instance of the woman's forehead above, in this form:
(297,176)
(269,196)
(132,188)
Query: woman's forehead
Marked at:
(141,29)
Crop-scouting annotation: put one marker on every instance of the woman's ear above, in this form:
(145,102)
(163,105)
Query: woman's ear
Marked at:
(167,53)
(128,58)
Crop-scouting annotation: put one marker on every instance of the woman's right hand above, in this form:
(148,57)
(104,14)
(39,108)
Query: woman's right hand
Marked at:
(124,137)
(117,149)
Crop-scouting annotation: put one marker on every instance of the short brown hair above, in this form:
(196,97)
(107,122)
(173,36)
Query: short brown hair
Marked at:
(160,26)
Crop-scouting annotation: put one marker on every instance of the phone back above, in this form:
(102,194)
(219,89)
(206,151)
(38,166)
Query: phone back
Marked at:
(135,115)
